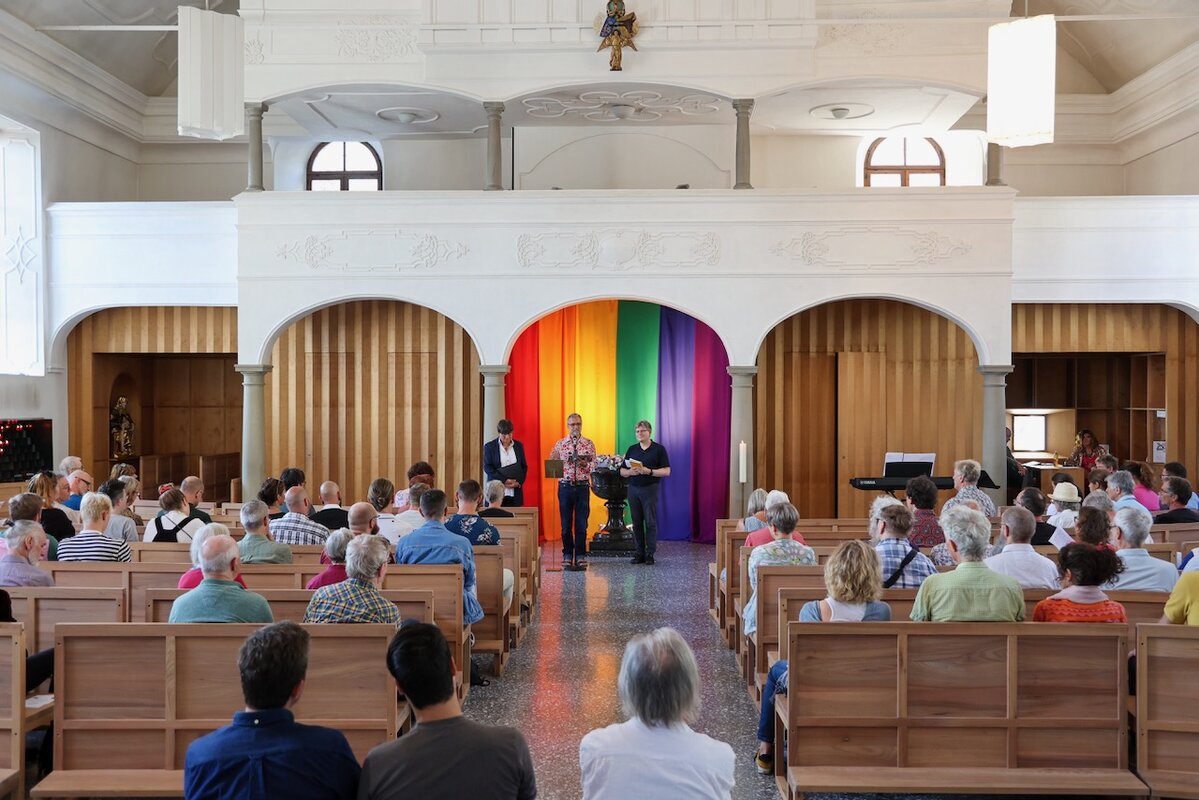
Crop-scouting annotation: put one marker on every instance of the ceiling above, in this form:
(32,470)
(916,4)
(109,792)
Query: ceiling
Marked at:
(861,108)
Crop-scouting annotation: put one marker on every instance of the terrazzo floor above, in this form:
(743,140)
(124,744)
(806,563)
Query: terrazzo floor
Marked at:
(560,682)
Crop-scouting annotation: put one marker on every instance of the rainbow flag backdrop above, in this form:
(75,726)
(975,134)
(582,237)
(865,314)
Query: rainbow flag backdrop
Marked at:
(617,362)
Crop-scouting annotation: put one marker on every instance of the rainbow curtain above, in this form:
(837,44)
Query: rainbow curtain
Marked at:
(617,362)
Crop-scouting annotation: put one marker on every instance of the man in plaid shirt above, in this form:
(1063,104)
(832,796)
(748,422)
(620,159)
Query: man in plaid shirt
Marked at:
(904,567)
(357,598)
(295,527)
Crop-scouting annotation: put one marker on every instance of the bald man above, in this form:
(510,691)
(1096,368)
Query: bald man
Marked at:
(295,527)
(219,598)
(193,492)
(80,483)
(363,518)
(331,514)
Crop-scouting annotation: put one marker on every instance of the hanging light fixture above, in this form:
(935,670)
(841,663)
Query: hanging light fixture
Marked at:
(211,74)
(1022,81)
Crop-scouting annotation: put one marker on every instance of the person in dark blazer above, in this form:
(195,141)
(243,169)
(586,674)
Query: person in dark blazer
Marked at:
(504,461)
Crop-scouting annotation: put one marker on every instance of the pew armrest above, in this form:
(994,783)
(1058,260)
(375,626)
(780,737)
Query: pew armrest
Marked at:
(966,780)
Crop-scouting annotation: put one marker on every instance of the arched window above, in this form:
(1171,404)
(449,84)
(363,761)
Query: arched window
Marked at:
(900,161)
(344,167)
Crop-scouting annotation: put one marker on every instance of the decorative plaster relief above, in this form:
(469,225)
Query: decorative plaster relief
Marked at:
(254,49)
(871,247)
(371,251)
(617,249)
(22,299)
(643,105)
(870,38)
(375,39)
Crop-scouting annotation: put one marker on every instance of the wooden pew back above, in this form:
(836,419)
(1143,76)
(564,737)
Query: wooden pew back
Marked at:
(445,582)
(180,553)
(291,604)
(524,528)
(491,632)
(1179,532)
(12,706)
(1167,696)
(43,607)
(187,684)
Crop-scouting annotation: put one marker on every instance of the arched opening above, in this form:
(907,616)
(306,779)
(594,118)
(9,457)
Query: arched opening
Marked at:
(365,388)
(616,362)
(842,384)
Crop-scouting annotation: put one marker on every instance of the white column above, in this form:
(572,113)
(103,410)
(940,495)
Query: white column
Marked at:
(741,430)
(995,165)
(254,112)
(495,160)
(743,108)
(994,457)
(493,397)
(253,426)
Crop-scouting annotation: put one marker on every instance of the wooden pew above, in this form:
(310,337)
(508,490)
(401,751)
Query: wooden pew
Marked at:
(291,604)
(1166,551)
(1179,532)
(40,608)
(491,632)
(445,581)
(734,543)
(145,552)
(756,647)
(517,624)
(188,685)
(524,527)
(718,574)
(12,709)
(1167,725)
(1025,709)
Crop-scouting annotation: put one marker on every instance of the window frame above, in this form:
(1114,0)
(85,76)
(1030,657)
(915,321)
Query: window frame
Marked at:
(344,176)
(904,171)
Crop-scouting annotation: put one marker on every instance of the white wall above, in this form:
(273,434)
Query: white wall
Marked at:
(803,162)
(625,157)
(441,163)
(1171,170)
(38,398)
(195,171)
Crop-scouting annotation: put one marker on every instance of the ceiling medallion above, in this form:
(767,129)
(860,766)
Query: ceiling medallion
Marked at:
(407,115)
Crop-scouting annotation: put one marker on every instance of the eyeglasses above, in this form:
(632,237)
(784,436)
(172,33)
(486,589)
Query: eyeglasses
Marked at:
(88,484)
(574,424)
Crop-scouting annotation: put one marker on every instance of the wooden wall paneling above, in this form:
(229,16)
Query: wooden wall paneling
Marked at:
(861,426)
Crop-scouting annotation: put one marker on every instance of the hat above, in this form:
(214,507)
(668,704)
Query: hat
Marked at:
(1066,492)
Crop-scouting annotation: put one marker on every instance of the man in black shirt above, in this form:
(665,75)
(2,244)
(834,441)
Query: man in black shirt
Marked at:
(1176,493)
(646,464)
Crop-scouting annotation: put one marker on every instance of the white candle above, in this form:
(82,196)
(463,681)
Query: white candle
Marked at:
(744,462)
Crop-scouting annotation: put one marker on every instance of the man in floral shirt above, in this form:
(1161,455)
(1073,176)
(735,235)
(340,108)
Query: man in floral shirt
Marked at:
(476,529)
(577,454)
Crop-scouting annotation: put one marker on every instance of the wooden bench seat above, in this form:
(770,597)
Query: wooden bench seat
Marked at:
(43,607)
(12,709)
(111,783)
(967,780)
(1166,721)
(291,604)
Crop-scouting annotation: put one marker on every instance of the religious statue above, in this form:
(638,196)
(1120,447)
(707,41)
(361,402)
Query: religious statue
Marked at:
(617,32)
(120,427)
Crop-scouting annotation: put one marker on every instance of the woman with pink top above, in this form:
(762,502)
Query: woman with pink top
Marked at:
(1143,491)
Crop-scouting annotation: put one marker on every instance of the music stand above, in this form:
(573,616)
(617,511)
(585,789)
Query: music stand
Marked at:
(553,468)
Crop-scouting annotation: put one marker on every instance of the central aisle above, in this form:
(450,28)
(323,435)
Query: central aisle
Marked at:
(561,682)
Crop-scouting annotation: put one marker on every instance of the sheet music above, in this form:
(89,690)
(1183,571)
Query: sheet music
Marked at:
(898,458)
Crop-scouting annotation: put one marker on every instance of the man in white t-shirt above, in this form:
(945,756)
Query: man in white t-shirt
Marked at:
(655,753)
(1019,560)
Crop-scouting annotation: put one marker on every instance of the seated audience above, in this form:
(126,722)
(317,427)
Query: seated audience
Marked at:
(781,551)
(763,535)
(79,483)
(422,472)
(49,486)
(1100,501)
(258,546)
(445,755)
(291,477)
(69,464)
(409,518)
(1067,501)
(493,493)
(656,753)
(90,544)
(133,493)
(1033,499)
(331,514)
(1094,528)
(19,567)
(120,470)
(1097,480)
(1083,569)
(1087,450)
(903,566)
(191,579)
(1121,488)
(431,543)
(363,519)
(335,549)
(1176,497)
(265,753)
(755,512)
(1143,489)
(1057,479)
(357,598)
(922,499)
(219,598)
(296,526)
(1183,606)
(965,477)
(1019,560)
(1141,570)
(972,592)
(120,527)
(1174,469)
(28,506)
(477,530)
(380,496)
(193,492)
(271,493)
(1108,462)
(175,523)
(854,584)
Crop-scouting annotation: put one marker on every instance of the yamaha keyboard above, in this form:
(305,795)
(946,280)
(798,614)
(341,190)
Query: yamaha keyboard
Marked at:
(898,484)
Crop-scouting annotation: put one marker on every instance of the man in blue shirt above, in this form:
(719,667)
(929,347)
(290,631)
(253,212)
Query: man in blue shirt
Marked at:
(265,752)
(432,543)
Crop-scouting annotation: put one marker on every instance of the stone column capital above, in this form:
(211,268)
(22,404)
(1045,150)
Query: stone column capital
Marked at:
(995,374)
(743,377)
(743,106)
(253,374)
(493,374)
(493,107)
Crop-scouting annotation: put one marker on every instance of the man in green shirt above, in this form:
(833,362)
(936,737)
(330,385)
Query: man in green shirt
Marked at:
(972,592)
(257,547)
(219,598)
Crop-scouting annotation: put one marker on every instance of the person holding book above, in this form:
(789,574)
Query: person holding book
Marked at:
(504,461)
(645,465)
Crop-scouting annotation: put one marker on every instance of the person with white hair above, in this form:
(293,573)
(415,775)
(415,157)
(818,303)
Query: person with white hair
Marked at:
(1121,488)
(91,543)
(357,598)
(257,546)
(656,753)
(493,493)
(335,549)
(219,598)
(1142,572)
(69,464)
(763,535)
(781,551)
(972,592)
(755,512)
(965,479)
(19,567)
(191,579)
